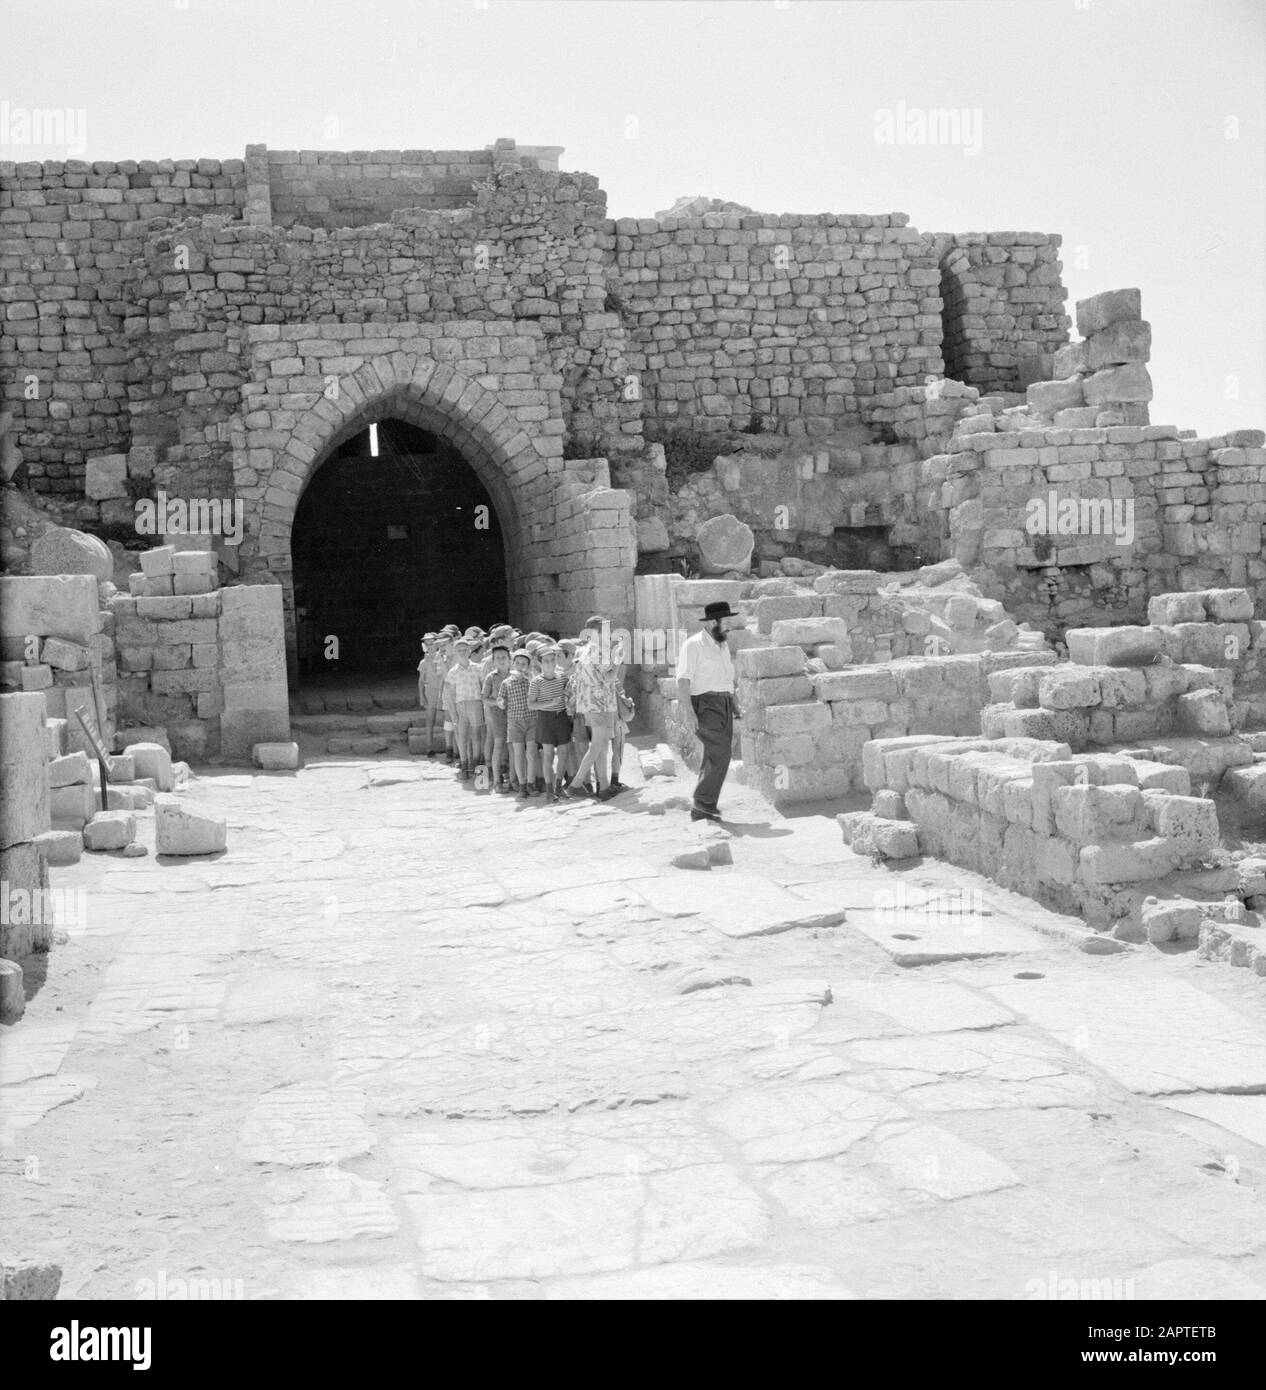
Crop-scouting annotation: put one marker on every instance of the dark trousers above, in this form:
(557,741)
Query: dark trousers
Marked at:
(715,714)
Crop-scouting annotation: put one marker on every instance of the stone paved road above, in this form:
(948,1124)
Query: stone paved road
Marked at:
(405,1039)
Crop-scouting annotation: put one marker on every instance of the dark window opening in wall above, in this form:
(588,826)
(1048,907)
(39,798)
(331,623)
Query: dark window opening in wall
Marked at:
(387,548)
(953,334)
(863,548)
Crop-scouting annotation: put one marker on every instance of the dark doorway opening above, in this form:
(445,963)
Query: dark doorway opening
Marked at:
(388,546)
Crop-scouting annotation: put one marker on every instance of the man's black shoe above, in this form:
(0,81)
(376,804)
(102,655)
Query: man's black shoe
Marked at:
(697,814)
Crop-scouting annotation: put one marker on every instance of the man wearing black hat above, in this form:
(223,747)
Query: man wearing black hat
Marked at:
(705,700)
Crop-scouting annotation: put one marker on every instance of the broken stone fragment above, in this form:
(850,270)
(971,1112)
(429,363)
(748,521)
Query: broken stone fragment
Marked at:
(109,830)
(65,656)
(692,859)
(12,993)
(64,772)
(1046,397)
(28,1280)
(184,830)
(152,760)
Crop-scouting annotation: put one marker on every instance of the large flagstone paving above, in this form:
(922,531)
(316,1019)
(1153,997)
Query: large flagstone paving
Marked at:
(406,1040)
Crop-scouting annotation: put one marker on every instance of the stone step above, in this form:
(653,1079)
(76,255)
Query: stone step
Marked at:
(370,700)
(392,725)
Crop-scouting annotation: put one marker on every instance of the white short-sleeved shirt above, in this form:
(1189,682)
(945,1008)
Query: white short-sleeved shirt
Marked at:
(707,664)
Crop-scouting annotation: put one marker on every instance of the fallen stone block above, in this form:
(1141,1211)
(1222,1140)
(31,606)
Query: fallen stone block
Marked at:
(120,767)
(667,759)
(692,859)
(360,747)
(12,993)
(129,798)
(152,760)
(41,605)
(158,562)
(277,757)
(66,771)
(1175,920)
(1114,646)
(60,847)
(73,805)
(36,677)
(65,656)
(27,1281)
(109,830)
(1237,945)
(125,738)
(185,830)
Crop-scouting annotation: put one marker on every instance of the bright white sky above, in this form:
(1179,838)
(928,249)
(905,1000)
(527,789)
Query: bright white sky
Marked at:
(1132,127)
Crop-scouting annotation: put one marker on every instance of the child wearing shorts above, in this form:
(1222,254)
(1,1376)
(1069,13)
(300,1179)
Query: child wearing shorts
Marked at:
(467,692)
(495,715)
(513,698)
(546,695)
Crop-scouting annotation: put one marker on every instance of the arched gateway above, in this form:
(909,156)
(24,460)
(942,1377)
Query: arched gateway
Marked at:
(487,389)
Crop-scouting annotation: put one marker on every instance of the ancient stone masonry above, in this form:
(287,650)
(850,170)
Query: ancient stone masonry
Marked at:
(1097,785)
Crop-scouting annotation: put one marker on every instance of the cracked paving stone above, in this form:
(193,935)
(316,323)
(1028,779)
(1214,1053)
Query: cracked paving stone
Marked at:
(1180,1280)
(515,1153)
(1241,1115)
(933,1160)
(922,1006)
(946,938)
(592,1225)
(271,995)
(825,1195)
(298,1125)
(352,1283)
(690,1280)
(325,1205)
(790,1124)
(1171,1038)
(736,904)
(25,1103)
(34,1050)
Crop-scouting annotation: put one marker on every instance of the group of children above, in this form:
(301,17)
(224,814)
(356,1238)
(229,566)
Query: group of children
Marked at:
(527,714)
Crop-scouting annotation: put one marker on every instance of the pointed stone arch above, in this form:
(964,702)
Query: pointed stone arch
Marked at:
(570,542)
